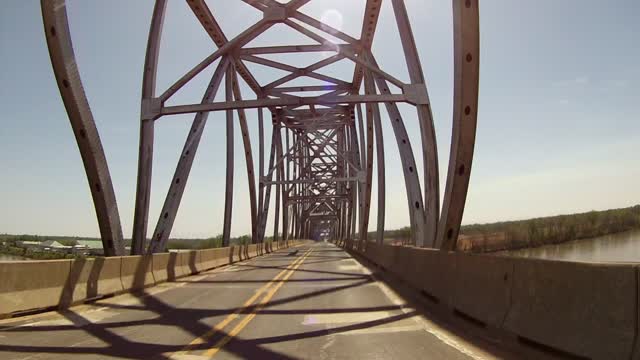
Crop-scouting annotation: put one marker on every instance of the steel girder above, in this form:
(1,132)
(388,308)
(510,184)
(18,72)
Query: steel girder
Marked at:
(322,146)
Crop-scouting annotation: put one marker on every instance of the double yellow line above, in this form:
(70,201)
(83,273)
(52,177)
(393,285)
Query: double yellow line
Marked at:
(270,291)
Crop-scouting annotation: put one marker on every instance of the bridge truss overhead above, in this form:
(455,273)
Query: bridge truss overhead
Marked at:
(327,132)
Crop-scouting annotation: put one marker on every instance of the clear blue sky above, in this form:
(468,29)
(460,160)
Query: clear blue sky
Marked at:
(558,127)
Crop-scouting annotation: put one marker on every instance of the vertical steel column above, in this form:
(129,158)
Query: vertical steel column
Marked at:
(279,186)
(260,171)
(341,187)
(228,196)
(356,188)
(248,154)
(363,162)
(285,192)
(297,174)
(264,211)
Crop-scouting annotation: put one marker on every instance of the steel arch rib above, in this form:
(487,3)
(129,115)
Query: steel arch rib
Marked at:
(379,140)
(427,130)
(356,192)
(412,184)
(60,46)
(465,116)
(145,151)
(369,89)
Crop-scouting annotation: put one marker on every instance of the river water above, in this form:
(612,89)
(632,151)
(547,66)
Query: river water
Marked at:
(620,247)
(5,257)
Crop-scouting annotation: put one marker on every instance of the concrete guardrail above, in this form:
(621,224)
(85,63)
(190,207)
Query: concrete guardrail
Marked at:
(27,286)
(584,309)
(32,284)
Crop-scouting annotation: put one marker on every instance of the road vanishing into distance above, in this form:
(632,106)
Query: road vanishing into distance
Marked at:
(311,301)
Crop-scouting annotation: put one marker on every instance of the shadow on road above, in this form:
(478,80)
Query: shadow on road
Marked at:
(117,337)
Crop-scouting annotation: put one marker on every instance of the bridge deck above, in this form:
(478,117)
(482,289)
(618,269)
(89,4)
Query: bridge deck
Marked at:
(309,302)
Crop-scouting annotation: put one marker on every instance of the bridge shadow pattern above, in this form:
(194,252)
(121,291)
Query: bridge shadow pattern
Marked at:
(190,320)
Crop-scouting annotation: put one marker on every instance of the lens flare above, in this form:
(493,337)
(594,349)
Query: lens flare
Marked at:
(333,18)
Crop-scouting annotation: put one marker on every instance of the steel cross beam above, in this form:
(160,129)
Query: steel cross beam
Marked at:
(323,139)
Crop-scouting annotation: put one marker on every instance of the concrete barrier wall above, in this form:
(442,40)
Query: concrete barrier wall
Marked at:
(427,270)
(92,278)
(28,285)
(585,309)
(239,253)
(233,254)
(252,250)
(163,267)
(481,286)
(136,272)
(33,285)
(211,258)
(242,252)
(187,263)
(588,310)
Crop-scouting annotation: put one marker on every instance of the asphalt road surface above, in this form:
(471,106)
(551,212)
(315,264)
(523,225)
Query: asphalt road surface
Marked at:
(309,302)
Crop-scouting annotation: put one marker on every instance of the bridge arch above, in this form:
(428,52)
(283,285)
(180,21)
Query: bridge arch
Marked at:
(322,150)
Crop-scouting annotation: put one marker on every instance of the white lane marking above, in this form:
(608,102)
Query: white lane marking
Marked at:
(87,318)
(428,326)
(330,340)
(380,330)
(348,267)
(188,357)
(342,318)
(57,318)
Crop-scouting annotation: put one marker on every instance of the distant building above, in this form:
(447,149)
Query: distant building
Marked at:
(82,247)
(49,245)
(89,247)
(81,250)
(52,245)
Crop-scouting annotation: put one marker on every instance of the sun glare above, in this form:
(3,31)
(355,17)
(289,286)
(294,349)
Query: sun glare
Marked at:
(333,18)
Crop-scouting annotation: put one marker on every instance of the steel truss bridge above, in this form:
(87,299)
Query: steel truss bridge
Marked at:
(306,299)
(324,139)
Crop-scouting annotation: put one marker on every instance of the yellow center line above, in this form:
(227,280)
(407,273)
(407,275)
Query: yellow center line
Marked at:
(222,324)
(247,319)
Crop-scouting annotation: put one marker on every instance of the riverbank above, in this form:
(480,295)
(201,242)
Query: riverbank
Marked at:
(532,233)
